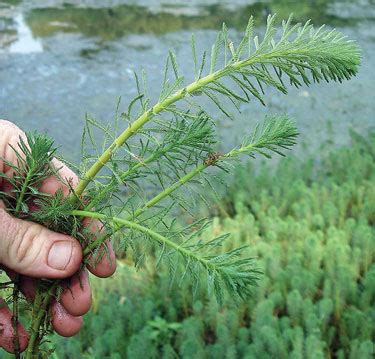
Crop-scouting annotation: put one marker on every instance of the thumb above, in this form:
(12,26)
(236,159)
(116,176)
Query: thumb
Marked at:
(31,249)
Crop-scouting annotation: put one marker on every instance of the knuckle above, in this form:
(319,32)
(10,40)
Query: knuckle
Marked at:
(25,244)
(4,124)
(10,134)
(26,252)
(8,228)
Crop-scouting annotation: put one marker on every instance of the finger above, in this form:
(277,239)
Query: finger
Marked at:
(68,179)
(7,331)
(65,179)
(103,263)
(26,284)
(10,136)
(76,298)
(64,323)
(106,266)
(31,249)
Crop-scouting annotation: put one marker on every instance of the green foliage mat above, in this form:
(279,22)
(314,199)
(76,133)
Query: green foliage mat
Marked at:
(310,227)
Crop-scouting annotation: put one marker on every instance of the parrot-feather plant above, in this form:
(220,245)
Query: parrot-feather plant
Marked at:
(171,144)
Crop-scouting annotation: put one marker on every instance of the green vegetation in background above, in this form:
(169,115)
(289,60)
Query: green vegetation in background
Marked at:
(311,228)
(111,23)
(11,2)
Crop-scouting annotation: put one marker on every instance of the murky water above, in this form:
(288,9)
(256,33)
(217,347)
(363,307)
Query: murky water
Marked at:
(61,59)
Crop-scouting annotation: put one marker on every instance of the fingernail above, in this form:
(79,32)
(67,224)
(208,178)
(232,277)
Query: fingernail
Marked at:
(60,254)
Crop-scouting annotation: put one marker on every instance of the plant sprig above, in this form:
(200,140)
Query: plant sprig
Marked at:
(34,155)
(300,51)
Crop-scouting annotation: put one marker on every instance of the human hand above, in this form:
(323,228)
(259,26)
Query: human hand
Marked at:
(29,251)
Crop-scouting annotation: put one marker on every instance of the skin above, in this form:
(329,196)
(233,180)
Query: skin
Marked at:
(26,247)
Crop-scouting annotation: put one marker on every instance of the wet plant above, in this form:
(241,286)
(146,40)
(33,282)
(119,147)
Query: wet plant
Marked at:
(131,181)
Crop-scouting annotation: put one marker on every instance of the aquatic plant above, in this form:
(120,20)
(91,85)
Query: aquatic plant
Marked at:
(171,144)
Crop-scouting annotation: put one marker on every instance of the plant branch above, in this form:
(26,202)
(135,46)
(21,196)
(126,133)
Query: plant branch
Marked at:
(133,225)
(15,317)
(273,135)
(225,269)
(327,54)
(140,122)
(40,311)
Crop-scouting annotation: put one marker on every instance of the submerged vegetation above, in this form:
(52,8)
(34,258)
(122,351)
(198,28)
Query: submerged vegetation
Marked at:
(171,143)
(311,229)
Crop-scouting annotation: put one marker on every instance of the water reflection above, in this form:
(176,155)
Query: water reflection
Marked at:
(114,22)
(25,42)
(110,23)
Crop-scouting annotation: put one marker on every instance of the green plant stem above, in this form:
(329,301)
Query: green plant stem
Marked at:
(161,106)
(133,128)
(156,236)
(23,191)
(129,172)
(15,294)
(142,163)
(168,191)
(34,327)
(39,312)
(183,180)
(15,312)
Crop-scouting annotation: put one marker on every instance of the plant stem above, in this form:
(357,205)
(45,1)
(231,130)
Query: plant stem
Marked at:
(23,190)
(15,294)
(15,310)
(183,180)
(154,235)
(40,310)
(127,173)
(34,324)
(157,108)
(152,202)
(171,189)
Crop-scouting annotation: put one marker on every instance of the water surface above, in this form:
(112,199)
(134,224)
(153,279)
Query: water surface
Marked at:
(61,59)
